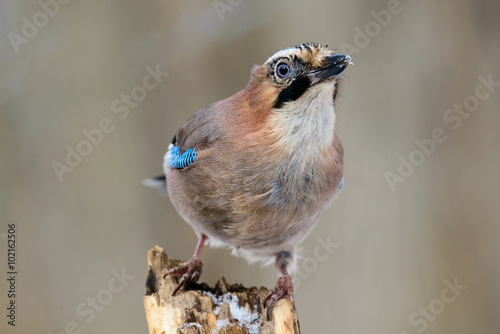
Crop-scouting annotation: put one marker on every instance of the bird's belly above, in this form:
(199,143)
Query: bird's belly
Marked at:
(258,221)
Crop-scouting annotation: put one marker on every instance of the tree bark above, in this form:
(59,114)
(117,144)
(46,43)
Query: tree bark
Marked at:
(199,308)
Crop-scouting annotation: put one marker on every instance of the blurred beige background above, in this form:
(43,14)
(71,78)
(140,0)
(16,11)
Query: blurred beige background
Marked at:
(395,250)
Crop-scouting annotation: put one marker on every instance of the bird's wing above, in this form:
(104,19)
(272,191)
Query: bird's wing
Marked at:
(197,134)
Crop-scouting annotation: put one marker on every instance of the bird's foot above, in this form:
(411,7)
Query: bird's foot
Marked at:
(190,272)
(284,286)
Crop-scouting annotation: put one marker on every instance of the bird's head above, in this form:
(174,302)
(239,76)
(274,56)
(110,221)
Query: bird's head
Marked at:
(291,98)
(291,76)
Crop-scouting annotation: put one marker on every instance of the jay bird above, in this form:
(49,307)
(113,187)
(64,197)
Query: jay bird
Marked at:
(253,172)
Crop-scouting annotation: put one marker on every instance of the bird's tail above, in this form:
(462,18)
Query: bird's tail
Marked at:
(159,182)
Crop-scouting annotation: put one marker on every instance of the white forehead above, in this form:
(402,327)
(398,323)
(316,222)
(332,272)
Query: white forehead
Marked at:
(283,53)
(310,52)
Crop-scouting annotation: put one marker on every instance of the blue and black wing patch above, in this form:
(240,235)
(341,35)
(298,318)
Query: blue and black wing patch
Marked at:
(183,160)
(341,184)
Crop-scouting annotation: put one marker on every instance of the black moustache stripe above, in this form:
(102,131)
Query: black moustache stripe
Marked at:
(294,91)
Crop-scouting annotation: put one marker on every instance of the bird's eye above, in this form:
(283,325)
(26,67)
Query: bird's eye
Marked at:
(282,70)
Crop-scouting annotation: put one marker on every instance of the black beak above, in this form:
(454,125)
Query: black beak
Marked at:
(334,65)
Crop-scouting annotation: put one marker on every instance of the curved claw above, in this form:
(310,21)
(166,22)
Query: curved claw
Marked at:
(176,270)
(191,272)
(284,286)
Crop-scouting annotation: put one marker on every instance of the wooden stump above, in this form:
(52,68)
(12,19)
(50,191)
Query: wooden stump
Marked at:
(198,308)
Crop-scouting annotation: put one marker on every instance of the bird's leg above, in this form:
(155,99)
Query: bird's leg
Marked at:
(192,270)
(284,285)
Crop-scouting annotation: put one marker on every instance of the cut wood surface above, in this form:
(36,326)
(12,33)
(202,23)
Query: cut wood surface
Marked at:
(199,308)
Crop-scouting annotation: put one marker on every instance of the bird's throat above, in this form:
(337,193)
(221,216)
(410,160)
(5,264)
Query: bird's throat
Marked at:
(305,127)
